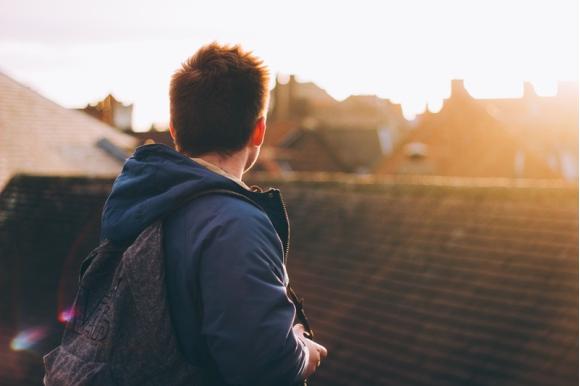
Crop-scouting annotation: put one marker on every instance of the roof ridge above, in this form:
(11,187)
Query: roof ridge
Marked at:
(333,178)
(38,93)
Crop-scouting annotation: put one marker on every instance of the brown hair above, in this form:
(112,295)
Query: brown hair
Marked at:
(216,97)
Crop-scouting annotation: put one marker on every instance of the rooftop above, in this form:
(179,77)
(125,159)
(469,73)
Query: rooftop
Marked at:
(464,139)
(406,280)
(47,226)
(437,281)
(41,137)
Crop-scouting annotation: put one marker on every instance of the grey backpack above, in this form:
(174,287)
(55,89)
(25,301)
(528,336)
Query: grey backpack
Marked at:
(120,332)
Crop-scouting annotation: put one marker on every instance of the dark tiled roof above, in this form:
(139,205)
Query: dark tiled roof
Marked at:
(278,131)
(307,151)
(47,226)
(333,149)
(438,281)
(358,111)
(359,149)
(407,281)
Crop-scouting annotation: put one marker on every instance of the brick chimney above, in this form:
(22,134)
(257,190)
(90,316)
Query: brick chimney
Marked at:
(458,89)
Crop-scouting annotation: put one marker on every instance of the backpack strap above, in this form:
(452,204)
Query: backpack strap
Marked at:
(300,314)
(105,244)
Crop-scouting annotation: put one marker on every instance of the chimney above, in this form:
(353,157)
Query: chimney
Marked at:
(281,99)
(457,88)
(529,90)
(292,85)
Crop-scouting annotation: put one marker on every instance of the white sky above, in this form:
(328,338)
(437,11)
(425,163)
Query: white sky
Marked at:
(76,51)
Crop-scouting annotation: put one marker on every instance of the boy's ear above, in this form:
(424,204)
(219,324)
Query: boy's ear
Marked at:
(171,131)
(259,132)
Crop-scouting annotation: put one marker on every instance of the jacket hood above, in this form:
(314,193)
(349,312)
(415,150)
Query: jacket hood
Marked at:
(154,181)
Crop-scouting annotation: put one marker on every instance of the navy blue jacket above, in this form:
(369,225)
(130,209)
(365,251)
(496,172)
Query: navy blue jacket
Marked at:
(245,330)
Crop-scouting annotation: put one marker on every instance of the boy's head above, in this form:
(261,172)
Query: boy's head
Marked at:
(218,98)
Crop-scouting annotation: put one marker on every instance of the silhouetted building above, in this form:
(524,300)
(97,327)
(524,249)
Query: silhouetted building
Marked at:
(292,104)
(365,111)
(308,130)
(295,104)
(546,124)
(464,139)
(112,112)
(528,137)
(294,101)
(335,150)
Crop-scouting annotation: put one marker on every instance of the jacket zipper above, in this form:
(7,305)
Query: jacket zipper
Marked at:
(288,226)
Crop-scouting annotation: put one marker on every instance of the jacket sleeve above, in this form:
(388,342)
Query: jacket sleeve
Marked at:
(247,316)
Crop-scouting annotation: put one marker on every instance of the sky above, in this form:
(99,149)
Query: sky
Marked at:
(76,52)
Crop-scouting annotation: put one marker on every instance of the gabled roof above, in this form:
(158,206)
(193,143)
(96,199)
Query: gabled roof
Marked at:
(41,137)
(312,92)
(368,111)
(307,151)
(465,140)
(277,131)
(333,149)
(437,281)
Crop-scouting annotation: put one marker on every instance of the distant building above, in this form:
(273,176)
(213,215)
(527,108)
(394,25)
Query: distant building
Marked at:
(293,100)
(548,125)
(40,137)
(528,137)
(295,104)
(308,130)
(112,112)
(345,150)
(465,139)
(292,105)
(365,111)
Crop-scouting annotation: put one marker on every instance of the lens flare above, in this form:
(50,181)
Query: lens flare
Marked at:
(66,315)
(27,339)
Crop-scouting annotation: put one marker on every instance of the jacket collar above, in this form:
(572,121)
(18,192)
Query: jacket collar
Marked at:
(270,200)
(216,169)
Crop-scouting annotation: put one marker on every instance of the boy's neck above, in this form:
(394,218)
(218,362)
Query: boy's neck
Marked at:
(233,165)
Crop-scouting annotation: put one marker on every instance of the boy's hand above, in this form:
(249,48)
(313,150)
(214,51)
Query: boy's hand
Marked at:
(316,352)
